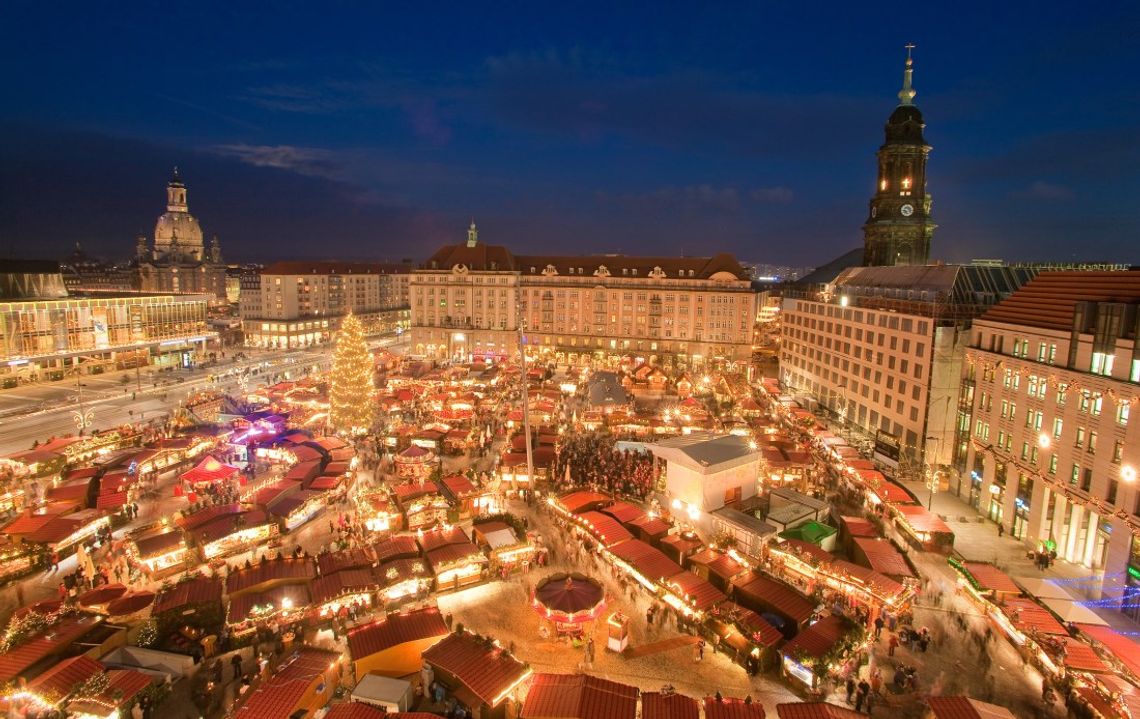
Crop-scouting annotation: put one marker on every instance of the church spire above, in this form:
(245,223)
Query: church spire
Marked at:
(907,93)
(472,234)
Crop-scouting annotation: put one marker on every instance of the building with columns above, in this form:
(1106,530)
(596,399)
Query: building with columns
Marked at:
(1053,379)
(467,301)
(178,261)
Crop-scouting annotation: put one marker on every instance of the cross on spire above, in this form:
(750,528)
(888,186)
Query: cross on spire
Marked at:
(907,93)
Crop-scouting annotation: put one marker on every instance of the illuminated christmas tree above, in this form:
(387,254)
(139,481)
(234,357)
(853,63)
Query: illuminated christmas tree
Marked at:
(351,398)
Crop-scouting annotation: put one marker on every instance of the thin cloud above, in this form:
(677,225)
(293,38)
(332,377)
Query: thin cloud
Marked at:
(1041,190)
(778,195)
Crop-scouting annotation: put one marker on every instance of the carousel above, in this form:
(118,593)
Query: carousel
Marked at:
(569,601)
(415,463)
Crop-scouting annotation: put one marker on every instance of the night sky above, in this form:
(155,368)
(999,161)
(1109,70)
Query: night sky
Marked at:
(376,130)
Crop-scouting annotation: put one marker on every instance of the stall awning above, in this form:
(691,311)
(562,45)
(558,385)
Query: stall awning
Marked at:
(208,471)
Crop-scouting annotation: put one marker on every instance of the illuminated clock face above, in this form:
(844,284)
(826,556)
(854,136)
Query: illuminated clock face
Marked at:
(907,210)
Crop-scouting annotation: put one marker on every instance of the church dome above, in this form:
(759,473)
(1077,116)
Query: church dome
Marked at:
(178,225)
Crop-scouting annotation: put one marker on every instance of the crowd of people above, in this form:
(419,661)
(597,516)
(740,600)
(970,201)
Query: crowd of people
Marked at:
(595,461)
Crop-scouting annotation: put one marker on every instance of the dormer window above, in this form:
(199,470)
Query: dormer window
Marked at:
(625,271)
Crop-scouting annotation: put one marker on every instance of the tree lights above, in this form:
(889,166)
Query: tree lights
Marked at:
(350,394)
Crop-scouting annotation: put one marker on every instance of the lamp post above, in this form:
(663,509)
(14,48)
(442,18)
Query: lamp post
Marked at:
(933,479)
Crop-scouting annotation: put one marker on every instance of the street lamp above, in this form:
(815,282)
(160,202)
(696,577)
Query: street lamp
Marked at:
(933,474)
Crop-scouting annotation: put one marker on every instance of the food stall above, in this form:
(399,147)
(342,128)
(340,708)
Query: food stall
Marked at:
(161,552)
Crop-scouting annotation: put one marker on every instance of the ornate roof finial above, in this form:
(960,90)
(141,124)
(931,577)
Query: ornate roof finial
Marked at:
(907,93)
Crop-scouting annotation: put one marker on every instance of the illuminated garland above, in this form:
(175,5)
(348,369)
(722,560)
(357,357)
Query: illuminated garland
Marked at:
(1053,380)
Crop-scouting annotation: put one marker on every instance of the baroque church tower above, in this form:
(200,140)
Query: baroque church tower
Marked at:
(899,228)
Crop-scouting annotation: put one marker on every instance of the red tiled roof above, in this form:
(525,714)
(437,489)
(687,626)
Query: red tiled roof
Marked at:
(203,517)
(883,557)
(655,705)
(395,547)
(624,512)
(458,485)
(53,641)
(60,528)
(651,526)
(347,581)
(326,482)
(192,591)
(358,710)
(1082,658)
(782,598)
(411,490)
(114,500)
(880,583)
(728,708)
(1120,646)
(966,708)
(578,696)
(892,493)
(699,592)
(394,630)
(284,506)
(266,495)
(646,559)
(291,569)
(682,543)
(437,538)
(1049,299)
(403,568)
(62,679)
(816,640)
(815,710)
(488,671)
(226,525)
(1027,615)
(306,456)
(453,553)
(922,520)
(990,577)
(278,697)
(859,527)
(607,529)
(304,471)
(354,558)
(812,551)
(718,563)
(577,501)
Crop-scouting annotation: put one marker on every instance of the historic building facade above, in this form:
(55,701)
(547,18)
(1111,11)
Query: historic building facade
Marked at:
(178,261)
(1053,450)
(899,228)
(468,299)
(299,304)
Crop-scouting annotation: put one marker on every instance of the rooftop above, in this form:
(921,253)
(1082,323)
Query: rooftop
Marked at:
(1049,300)
(706,452)
(578,696)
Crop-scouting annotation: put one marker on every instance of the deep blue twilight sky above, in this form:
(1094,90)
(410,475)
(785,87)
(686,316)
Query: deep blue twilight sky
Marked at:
(375,130)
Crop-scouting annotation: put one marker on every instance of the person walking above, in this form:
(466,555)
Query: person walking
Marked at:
(850,687)
(892,644)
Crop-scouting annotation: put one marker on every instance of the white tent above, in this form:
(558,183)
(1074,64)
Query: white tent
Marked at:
(395,695)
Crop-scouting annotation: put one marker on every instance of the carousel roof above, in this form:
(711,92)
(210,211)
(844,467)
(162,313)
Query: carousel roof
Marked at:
(569,593)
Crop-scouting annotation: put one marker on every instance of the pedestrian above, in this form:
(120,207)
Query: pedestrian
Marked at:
(850,687)
(1001,530)
(235,662)
(860,697)
(878,627)
(892,644)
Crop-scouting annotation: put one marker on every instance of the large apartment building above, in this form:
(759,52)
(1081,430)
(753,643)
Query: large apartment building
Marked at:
(1053,379)
(882,349)
(301,303)
(467,300)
